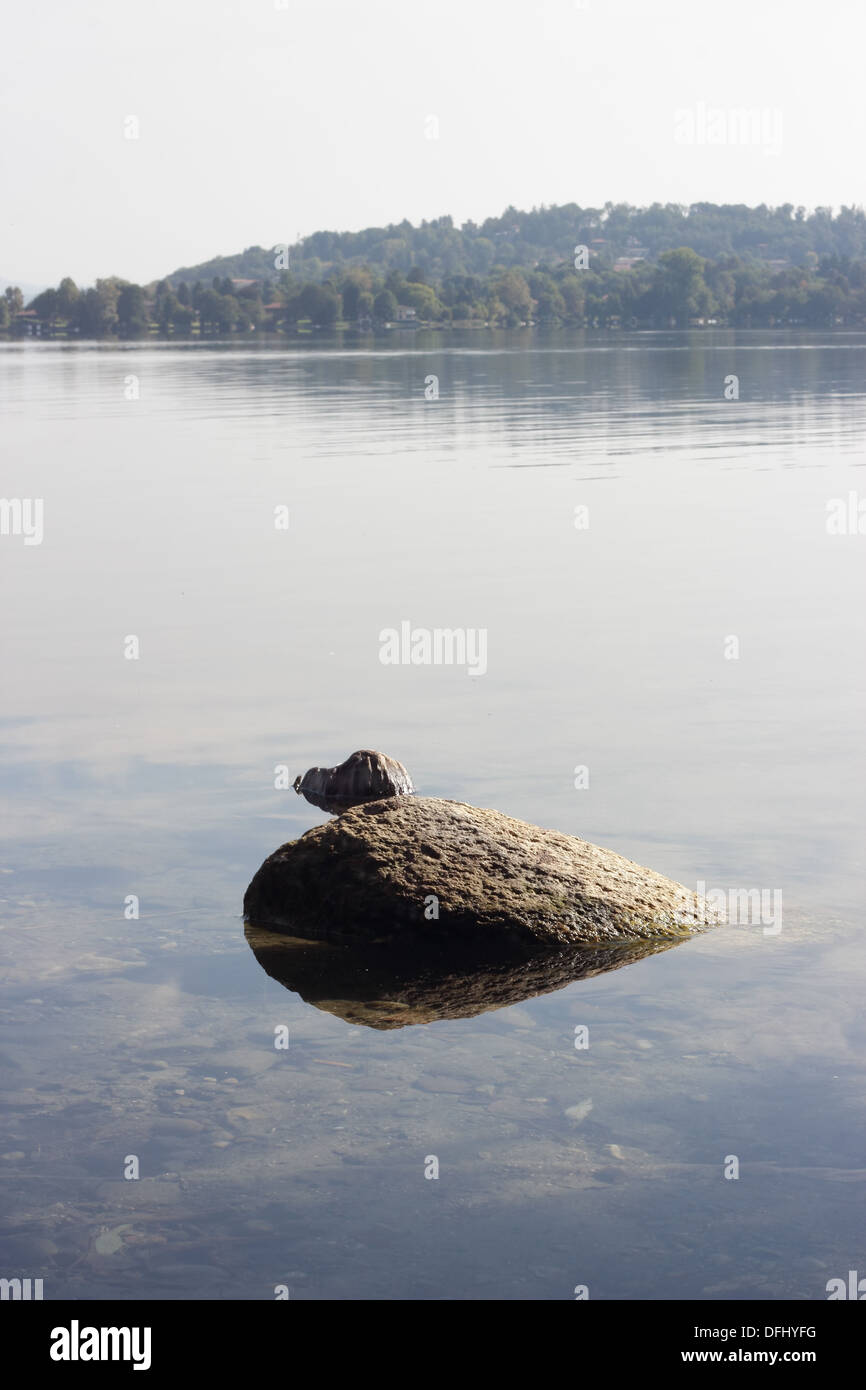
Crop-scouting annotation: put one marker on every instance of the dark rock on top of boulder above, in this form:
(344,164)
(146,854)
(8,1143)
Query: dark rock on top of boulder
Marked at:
(420,866)
(364,776)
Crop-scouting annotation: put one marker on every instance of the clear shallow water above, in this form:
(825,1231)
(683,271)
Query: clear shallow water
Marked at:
(260,648)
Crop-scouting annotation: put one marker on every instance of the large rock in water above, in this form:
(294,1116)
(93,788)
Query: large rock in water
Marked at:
(374,872)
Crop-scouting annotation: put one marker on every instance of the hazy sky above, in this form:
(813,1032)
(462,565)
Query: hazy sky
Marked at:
(259,120)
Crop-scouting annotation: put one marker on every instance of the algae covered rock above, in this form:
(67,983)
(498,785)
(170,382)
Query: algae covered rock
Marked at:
(422,866)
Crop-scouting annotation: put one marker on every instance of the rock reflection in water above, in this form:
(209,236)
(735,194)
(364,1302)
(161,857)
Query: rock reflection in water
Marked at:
(394,986)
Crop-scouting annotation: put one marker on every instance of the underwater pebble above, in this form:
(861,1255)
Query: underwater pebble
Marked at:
(244,1114)
(110,1241)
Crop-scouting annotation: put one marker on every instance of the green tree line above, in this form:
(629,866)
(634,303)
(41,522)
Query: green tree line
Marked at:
(679,289)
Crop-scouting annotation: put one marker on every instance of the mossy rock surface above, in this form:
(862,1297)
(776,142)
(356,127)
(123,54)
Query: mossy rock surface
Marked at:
(374,871)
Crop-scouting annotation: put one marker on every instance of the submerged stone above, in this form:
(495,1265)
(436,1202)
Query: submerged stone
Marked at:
(422,867)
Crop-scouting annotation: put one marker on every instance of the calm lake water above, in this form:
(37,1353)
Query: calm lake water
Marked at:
(693,638)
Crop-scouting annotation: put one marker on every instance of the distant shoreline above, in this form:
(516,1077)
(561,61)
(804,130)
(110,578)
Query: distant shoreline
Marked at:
(675,289)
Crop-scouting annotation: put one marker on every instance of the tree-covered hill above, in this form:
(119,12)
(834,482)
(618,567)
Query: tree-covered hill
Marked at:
(548,236)
(617,267)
